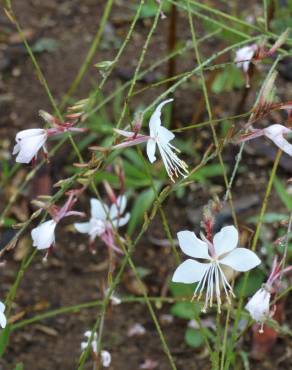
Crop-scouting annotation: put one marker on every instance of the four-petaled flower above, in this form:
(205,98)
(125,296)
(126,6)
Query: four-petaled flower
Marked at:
(28,143)
(160,137)
(104,220)
(3,320)
(222,251)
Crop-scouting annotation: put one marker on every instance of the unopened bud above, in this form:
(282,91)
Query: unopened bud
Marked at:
(104,65)
(47,117)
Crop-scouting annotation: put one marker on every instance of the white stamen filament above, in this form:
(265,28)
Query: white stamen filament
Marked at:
(213,276)
(171,162)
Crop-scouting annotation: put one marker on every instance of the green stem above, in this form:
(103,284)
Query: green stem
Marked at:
(89,55)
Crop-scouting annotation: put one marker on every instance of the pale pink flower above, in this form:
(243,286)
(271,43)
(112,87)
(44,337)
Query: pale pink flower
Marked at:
(43,236)
(244,56)
(275,133)
(222,251)
(103,220)
(30,141)
(136,330)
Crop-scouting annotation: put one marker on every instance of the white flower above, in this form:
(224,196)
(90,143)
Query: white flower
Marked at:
(43,236)
(113,298)
(3,320)
(244,56)
(275,133)
(28,143)
(161,137)
(259,305)
(106,357)
(222,251)
(103,218)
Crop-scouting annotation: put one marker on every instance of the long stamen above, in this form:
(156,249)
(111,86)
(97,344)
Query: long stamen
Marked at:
(212,284)
(204,309)
(200,284)
(172,163)
(217,289)
(226,282)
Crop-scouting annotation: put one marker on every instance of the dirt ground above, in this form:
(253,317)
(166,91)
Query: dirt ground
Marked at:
(72,274)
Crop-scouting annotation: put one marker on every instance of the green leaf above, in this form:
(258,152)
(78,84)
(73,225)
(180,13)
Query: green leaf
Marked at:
(282,193)
(19,366)
(194,338)
(8,222)
(141,205)
(135,158)
(150,8)
(182,290)
(228,80)
(4,339)
(45,44)
(268,218)
(143,271)
(211,170)
(186,310)
(254,282)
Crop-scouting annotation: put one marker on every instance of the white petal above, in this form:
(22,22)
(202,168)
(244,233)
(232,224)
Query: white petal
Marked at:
(275,133)
(82,227)
(225,240)
(118,208)
(2,307)
(164,135)
(43,236)
(3,320)
(83,345)
(119,222)
(99,210)
(28,144)
(16,149)
(259,305)
(190,271)
(155,120)
(106,358)
(244,55)
(241,259)
(191,245)
(30,132)
(150,148)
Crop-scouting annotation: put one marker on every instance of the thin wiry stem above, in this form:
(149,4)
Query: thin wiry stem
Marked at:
(209,110)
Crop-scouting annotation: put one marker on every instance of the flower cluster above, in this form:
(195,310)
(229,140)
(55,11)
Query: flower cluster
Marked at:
(104,221)
(105,356)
